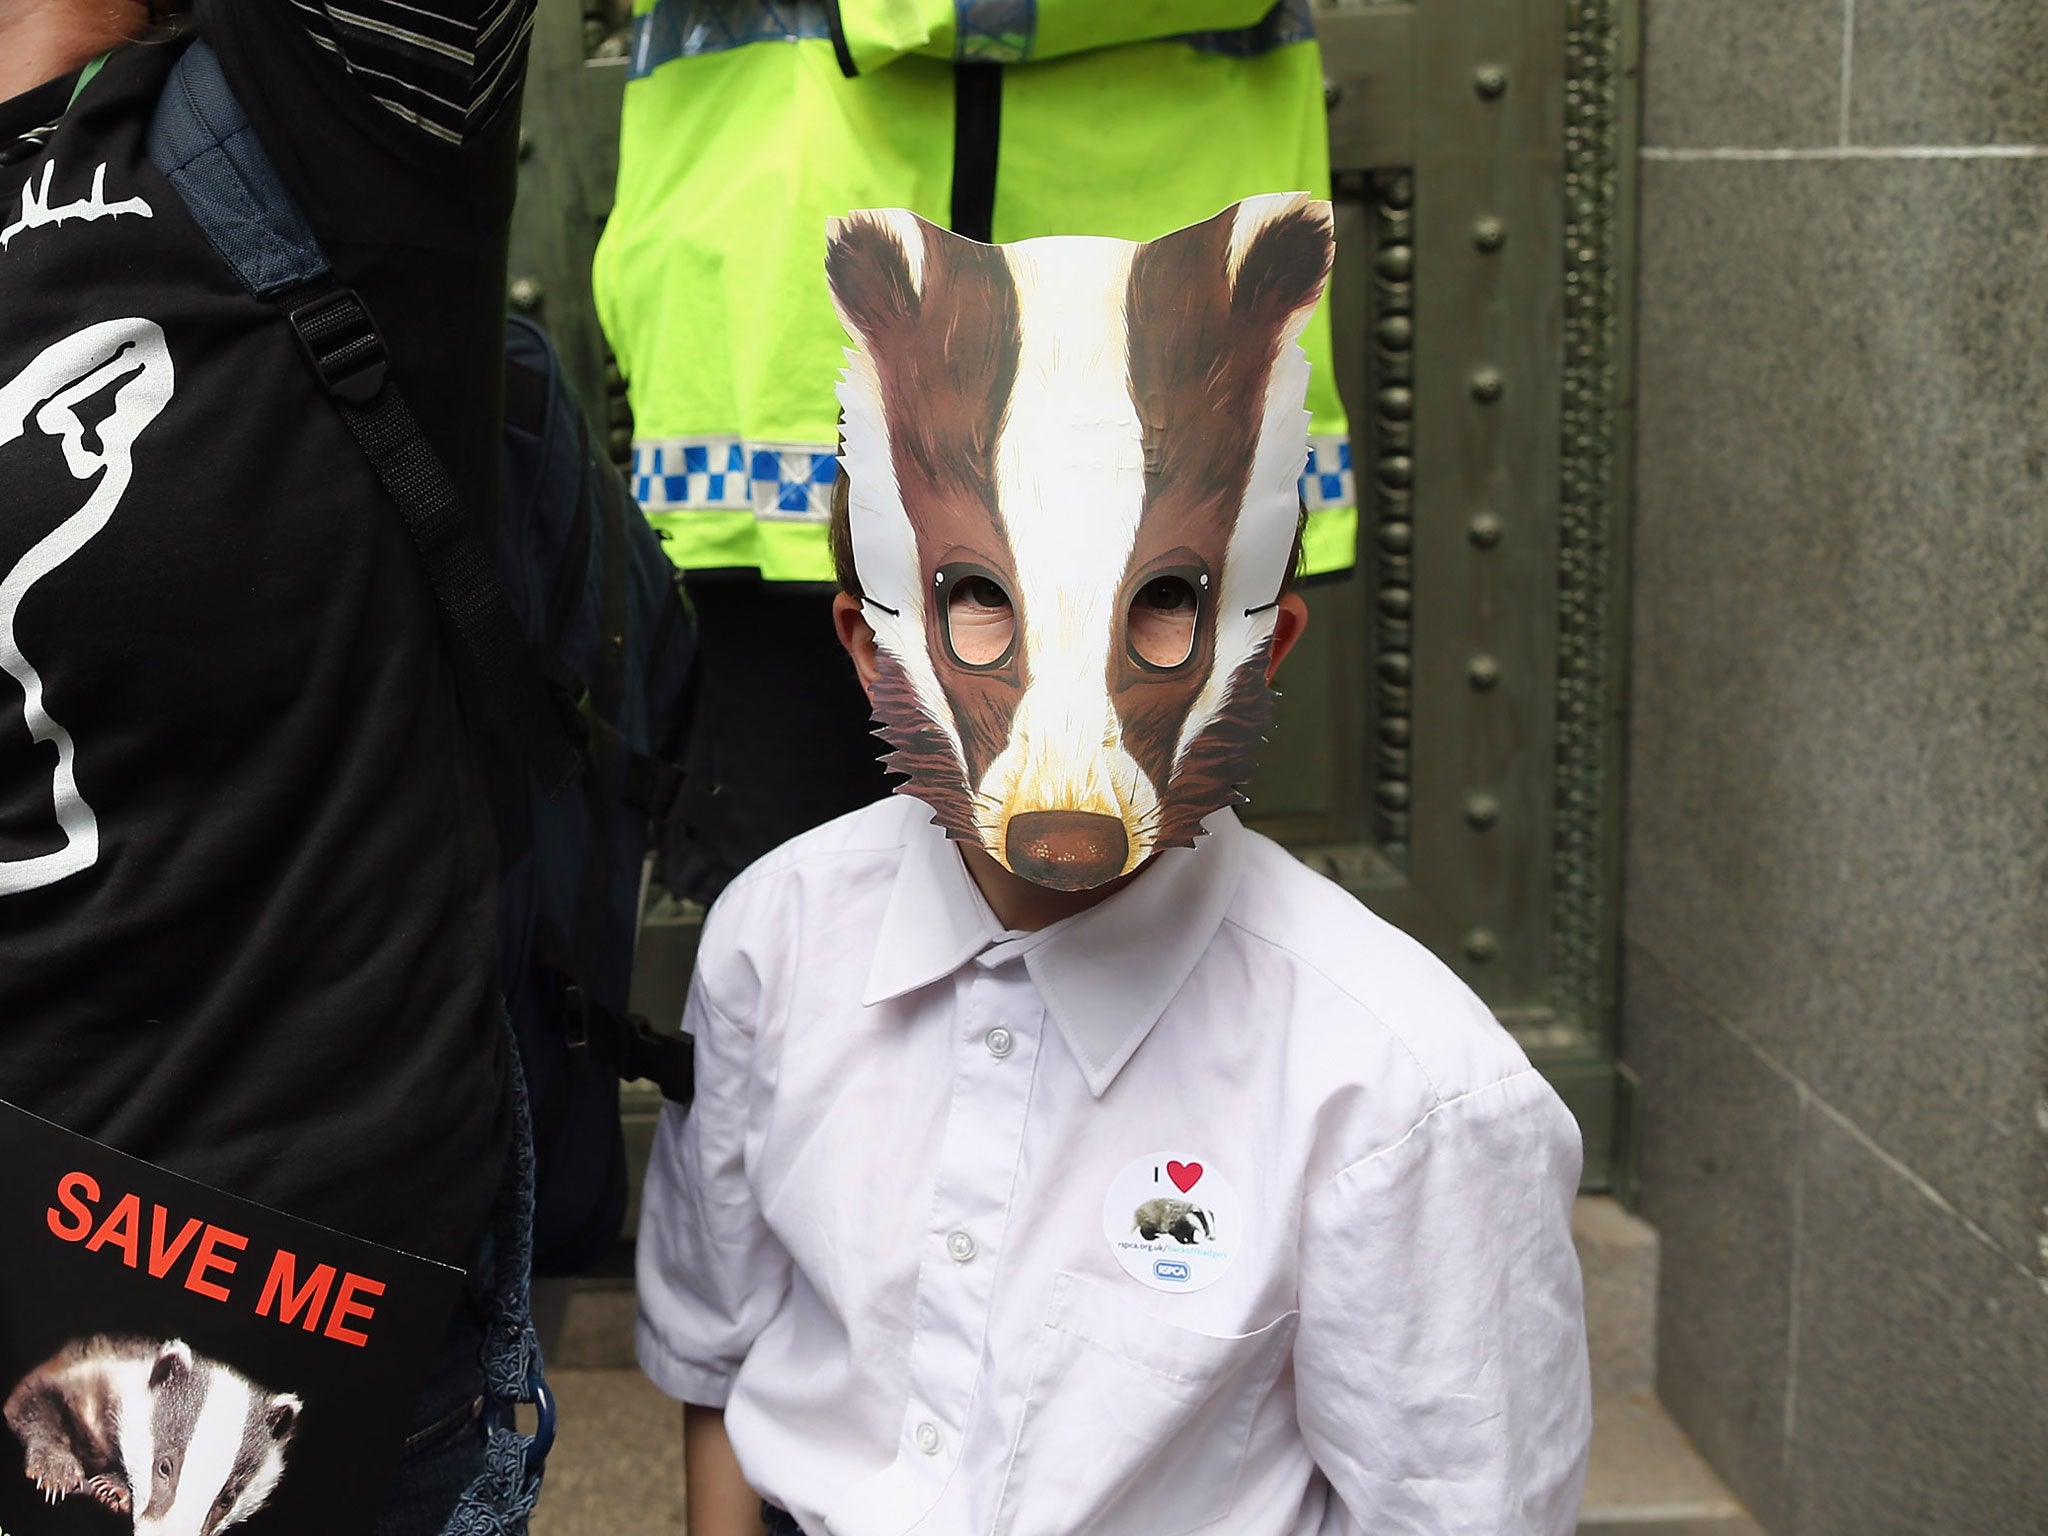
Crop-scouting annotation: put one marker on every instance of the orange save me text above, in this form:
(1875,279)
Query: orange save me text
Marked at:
(205,1259)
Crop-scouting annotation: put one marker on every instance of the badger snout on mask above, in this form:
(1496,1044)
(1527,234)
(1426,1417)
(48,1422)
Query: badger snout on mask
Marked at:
(1073,467)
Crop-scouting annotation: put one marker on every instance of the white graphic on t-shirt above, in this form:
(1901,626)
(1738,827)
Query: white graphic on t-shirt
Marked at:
(127,361)
(36,210)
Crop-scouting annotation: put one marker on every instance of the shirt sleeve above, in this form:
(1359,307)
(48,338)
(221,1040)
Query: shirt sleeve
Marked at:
(711,1274)
(1441,1360)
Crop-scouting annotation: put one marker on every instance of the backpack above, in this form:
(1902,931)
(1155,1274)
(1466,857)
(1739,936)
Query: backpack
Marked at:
(574,647)
(601,602)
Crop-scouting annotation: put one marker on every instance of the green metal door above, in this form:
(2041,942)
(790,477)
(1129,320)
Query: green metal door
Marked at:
(1448,746)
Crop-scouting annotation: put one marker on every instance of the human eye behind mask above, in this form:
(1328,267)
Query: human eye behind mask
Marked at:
(1160,624)
(1073,482)
(981,622)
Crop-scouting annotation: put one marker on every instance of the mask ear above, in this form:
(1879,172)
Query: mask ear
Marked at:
(1214,312)
(1281,248)
(868,268)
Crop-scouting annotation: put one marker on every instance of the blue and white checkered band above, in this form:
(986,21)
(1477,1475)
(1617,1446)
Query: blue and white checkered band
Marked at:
(994,31)
(1291,21)
(778,482)
(793,481)
(1327,481)
(683,29)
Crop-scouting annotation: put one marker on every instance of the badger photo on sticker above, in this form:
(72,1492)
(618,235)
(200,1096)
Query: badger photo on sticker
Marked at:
(1173,1220)
(152,1431)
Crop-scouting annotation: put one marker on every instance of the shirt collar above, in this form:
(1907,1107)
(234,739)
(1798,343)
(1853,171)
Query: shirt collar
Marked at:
(1106,974)
(936,921)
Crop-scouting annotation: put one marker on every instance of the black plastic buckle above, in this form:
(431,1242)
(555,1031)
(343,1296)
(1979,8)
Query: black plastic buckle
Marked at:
(653,786)
(340,339)
(667,1061)
(575,1016)
(572,706)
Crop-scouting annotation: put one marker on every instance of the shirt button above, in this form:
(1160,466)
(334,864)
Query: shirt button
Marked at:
(928,1438)
(961,1246)
(1000,1042)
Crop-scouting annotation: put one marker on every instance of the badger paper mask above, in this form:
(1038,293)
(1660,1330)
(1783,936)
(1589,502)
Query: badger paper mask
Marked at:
(1073,467)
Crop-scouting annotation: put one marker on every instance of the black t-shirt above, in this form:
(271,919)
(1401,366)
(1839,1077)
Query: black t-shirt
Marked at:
(246,874)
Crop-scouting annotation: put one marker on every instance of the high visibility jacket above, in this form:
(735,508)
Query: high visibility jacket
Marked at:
(749,122)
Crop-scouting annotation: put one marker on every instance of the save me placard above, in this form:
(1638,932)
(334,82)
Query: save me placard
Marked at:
(167,1350)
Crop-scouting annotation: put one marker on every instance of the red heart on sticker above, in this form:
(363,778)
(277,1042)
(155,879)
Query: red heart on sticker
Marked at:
(1184,1175)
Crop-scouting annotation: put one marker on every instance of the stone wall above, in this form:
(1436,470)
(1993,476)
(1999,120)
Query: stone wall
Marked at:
(1836,912)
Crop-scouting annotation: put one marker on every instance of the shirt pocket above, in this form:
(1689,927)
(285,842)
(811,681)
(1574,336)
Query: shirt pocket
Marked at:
(1133,1426)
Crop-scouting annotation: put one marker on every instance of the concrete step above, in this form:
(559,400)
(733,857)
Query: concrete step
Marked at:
(1618,1260)
(1645,1479)
(617,1468)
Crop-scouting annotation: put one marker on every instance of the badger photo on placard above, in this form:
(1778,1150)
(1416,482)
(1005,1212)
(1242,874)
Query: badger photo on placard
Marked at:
(178,1362)
(147,1428)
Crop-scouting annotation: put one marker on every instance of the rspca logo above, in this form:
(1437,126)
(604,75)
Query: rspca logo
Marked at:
(1171,1269)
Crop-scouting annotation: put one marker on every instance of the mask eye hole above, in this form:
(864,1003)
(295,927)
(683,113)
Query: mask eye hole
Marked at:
(1164,615)
(981,621)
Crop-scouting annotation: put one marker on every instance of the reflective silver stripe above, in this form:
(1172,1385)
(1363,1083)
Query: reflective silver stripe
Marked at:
(685,29)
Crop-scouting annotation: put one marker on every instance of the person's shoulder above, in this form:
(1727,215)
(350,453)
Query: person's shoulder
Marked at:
(1368,1003)
(837,869)
(844,848)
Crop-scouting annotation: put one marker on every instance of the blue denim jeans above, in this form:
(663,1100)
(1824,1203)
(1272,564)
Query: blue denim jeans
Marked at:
(466,1469)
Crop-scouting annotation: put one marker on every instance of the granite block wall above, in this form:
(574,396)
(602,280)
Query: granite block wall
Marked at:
(1836,903)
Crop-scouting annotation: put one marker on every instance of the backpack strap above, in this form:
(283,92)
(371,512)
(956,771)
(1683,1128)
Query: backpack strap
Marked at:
(203,143)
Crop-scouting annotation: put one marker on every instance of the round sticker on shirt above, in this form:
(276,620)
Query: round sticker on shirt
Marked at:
(1173,1221)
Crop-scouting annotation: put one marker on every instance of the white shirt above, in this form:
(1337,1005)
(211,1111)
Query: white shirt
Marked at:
(891,1237)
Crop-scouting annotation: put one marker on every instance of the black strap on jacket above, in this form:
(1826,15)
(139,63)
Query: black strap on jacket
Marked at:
(977,138)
